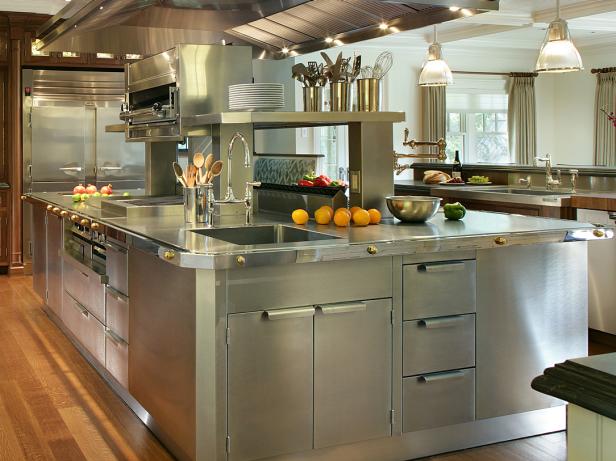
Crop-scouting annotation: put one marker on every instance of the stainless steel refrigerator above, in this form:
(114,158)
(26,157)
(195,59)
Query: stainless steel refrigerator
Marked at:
(64,137)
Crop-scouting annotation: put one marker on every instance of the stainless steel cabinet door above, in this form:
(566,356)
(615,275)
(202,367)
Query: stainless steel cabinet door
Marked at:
(58,144)
(270,376)
(115,158)
(532,312)
(55,236)
(352,372)
(39,251)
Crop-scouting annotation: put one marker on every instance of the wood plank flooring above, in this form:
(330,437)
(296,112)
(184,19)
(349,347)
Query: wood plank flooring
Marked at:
(54,406)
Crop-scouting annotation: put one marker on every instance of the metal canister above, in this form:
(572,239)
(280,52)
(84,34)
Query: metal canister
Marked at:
(190,205)
(368,94)
(339,96)
(313,98)
(205,200)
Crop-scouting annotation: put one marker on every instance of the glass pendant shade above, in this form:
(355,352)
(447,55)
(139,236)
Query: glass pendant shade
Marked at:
(558,53)
(435,71)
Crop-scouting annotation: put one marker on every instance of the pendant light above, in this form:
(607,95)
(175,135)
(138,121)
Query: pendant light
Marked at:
(435,71)
(558,53)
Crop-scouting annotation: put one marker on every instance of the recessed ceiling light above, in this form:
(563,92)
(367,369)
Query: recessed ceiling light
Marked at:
(338,42)
(328,39)
(383,26)
(454,8)
(285,50)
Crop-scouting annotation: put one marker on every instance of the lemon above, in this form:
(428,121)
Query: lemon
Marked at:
(375,216)
(329,209)
(361,218)
(354,209)
(300,216)
(322,216)
(345,211)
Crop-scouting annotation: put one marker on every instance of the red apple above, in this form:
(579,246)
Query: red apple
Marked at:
(79,189)
(91,189)
(107,189)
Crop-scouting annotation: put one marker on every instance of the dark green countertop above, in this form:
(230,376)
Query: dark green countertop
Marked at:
(589,382)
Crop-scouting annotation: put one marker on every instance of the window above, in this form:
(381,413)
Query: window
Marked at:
(331,141)
(477,119)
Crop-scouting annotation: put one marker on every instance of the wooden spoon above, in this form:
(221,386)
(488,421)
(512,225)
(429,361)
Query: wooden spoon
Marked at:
(179,174)
(191,175)
(199,161)
(214,171)
(209,160)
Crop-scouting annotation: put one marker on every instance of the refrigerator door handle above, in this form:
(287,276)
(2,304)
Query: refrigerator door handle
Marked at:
(70,168)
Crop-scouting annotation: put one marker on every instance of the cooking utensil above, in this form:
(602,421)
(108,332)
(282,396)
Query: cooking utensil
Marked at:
(366,72)
(209,160)
(191,175)
(382,65)
(199,161)
(414,209)
(214,171)
(356,68)
(179,174)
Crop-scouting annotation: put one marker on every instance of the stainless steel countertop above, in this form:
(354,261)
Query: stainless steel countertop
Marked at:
(171,236)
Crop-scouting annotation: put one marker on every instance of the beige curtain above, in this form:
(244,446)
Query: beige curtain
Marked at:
(605,131)
(522,119)
(434,112)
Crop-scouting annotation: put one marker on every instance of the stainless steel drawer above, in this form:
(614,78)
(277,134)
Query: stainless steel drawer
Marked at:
(439,288)
(84,326)
(117,267)
(116,357)
(117,311)
(438,400)
(438,344)
(85,285)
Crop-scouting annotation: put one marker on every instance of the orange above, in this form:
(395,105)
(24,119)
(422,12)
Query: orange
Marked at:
(329,209)
(361,218)
(342,219)
(346,211)
(375,216)
(322,216)
(300,216)
(354,209)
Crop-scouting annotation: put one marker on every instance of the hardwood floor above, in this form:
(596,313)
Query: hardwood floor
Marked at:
(54,406)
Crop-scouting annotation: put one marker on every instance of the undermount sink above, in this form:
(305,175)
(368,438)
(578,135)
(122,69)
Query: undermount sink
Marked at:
(263,235)
(512,190)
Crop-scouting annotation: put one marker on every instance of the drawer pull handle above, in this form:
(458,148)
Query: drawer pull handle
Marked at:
(343,308)
(114,338)
(442,322)
(427,379)
(117,248)
(451,267)
(82,310)
(282,314)
(84,274)
(116,294)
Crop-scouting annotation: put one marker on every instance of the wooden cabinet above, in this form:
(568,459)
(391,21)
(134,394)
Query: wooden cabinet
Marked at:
(513,208)
(4,236)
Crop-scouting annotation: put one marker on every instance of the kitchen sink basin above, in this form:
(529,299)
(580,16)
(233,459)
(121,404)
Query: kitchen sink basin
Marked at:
(263,235)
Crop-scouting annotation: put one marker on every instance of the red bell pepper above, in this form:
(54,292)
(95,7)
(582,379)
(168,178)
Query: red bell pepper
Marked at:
(305,182)
(320,182)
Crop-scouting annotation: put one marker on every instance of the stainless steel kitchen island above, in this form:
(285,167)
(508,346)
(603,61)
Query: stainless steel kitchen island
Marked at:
(389,342)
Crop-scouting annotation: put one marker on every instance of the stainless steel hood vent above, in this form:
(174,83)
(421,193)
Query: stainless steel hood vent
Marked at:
(294,26)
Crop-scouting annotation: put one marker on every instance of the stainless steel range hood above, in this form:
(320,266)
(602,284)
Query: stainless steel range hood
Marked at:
(147,27)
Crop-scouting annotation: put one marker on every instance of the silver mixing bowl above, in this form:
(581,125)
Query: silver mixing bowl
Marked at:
(413,208)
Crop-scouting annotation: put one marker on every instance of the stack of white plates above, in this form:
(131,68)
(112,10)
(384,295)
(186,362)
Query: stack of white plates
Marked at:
(256,96)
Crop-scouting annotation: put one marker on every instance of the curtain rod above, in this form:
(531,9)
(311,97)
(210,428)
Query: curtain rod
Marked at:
(604,70)
(506,74)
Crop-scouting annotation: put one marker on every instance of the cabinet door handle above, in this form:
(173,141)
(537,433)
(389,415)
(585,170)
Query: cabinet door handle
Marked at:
(441,322)
(343,308)
(427,379)
(114,338)
(448,267)
(115,247)
(82,310)
(282,314)
(116,294)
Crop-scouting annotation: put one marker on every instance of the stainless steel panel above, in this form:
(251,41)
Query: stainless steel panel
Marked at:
(352,372)
(285,286)
(117,267)
(55,240)
(116,357)
(439,344)
(115,158)
(39,251)
(601,263)
(270,384)
(438,400)
(58,143)
(439,288)
(86,328)
(532,312)
(117,313)
(84,285)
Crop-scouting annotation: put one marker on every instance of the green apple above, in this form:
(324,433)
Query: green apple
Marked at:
(84,197)
(76,197)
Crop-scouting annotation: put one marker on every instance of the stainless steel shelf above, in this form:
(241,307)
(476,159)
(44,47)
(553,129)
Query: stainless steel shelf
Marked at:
(270,120)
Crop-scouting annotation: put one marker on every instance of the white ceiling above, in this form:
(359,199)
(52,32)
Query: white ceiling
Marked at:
(520,24)
(33,6)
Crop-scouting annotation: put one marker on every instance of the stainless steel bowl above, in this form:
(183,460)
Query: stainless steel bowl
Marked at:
(413,208)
